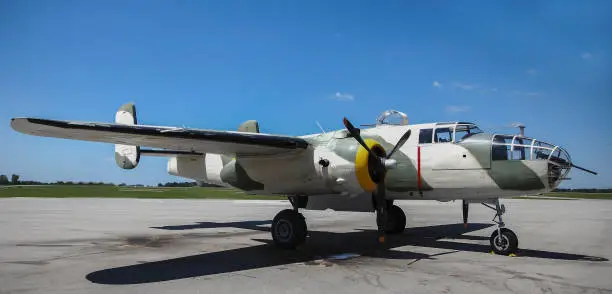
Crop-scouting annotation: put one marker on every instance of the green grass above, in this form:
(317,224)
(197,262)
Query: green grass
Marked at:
(579,195)
(70,191)
(540,198)
(567,195)
(75,191)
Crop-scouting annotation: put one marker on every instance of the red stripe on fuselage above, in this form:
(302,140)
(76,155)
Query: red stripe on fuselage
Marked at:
(419,167)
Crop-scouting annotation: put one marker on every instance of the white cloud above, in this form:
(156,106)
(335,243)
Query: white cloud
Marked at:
(466,87)
(532,71)
(586,56)
(437,84)
(533,94)
(456,109)
(527,94)
(344,97)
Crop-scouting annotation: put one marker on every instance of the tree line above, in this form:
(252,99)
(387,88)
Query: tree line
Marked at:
(584,190)
(14,180)
(186,184)
(4,180)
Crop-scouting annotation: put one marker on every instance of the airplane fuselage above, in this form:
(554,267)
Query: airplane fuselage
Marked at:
(433,164)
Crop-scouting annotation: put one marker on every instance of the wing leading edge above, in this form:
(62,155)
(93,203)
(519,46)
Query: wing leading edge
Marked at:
(179,139)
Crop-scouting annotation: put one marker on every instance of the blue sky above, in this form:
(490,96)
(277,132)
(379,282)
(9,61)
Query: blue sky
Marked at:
(215,64)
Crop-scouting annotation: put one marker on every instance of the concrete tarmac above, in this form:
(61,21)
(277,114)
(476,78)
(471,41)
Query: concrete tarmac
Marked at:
(224,246)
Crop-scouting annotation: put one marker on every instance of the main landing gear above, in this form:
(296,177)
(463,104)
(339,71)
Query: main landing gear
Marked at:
(396,219)
(503,240)
(289,227)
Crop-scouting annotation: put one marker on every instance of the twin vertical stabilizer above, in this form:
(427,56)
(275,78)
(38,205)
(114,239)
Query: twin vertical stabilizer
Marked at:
(126,156)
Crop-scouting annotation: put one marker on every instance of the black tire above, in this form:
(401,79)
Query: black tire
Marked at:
(396,220)
(288,229)
(507,244)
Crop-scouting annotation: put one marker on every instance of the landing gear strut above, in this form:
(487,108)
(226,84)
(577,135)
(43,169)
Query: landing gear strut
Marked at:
(503,240)
(289,227)
(396,219)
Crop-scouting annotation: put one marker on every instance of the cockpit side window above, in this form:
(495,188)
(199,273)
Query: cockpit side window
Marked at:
(501,149)
(465,131)
(425,136)
(443,135)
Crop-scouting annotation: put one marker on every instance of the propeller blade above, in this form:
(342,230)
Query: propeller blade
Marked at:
(356,134)
(400,143)
(584,169)
(381,211)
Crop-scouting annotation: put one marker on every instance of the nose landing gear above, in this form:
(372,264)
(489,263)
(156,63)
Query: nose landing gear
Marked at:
(503,240)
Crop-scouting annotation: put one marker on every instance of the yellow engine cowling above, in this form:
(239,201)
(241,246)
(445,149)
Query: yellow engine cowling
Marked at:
(349,166)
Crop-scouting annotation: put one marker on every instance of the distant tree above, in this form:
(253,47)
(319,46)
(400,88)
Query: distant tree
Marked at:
(122,185)
(4,180)
(15,179)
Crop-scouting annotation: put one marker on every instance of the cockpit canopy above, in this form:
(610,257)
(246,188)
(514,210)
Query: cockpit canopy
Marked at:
(515,147)
(448,132)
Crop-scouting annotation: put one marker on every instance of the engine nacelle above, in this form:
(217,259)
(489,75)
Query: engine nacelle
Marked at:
(347,166)
(206,168)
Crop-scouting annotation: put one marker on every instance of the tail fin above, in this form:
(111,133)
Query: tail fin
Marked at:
(249,126)
(127,156)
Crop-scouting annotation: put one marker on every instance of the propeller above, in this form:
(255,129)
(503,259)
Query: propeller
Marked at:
(379,167)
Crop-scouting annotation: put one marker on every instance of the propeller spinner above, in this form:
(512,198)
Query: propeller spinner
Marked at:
(380,166)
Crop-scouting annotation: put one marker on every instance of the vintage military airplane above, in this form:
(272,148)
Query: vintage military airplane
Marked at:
(349,169)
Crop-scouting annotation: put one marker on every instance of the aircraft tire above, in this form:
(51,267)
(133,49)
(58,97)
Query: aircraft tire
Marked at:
(506,245)
(288,229)
(396,220)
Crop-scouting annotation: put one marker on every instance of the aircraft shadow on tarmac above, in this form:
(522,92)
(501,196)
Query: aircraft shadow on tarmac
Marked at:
(318,246)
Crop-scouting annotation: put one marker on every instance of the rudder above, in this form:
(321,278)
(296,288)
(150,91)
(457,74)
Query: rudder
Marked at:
(249,126)
(126,156)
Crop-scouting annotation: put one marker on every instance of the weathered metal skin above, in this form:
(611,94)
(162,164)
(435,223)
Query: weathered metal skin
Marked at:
(403,178)
(508,175)
(233,174)
(479,145)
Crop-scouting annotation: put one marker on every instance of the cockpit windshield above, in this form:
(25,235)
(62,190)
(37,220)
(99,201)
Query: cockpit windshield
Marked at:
(463,131)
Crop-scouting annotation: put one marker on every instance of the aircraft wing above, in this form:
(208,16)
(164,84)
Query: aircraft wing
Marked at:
(178,139)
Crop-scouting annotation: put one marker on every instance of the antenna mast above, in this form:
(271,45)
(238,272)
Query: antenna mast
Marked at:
(521,128)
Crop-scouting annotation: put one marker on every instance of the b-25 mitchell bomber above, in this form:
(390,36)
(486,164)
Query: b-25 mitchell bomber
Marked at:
(350,169)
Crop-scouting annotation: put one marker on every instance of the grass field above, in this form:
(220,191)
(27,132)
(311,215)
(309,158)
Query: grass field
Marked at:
(579,195)
(72,191)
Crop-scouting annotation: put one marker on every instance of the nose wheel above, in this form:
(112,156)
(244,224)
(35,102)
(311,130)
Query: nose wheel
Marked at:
(503,240)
